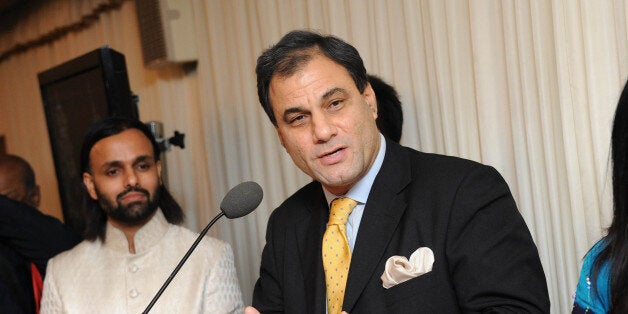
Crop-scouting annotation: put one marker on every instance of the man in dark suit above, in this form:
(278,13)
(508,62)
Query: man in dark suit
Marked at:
(28,238)
(473,250)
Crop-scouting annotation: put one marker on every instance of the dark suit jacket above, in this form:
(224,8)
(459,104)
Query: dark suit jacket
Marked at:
(485,259)
(26,235)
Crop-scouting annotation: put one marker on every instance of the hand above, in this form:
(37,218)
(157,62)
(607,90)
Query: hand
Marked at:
(252,310)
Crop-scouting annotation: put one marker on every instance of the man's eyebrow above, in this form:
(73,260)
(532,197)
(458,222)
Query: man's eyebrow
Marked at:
(143,158)
(118,163)
(290,111)
(325,95)
(332,91)
(109,164)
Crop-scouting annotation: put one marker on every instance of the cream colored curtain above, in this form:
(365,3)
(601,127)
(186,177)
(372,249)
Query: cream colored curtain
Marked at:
(529,87)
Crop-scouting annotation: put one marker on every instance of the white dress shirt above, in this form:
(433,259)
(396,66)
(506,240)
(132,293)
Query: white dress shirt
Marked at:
(97,277)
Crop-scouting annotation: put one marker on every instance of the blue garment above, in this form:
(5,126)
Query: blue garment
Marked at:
(587,300)
(360,193)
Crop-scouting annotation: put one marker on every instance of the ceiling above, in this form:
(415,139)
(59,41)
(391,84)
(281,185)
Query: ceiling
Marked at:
(7,5)
(11,11)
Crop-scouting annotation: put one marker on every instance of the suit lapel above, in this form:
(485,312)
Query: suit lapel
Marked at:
(382,213)
(310,234)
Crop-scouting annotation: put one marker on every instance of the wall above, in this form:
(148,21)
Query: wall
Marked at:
(529,87)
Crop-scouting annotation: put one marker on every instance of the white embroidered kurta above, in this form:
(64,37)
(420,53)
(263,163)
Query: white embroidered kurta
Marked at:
(97,277)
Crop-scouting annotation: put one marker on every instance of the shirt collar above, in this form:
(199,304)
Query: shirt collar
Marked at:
(145,237)
(361,190)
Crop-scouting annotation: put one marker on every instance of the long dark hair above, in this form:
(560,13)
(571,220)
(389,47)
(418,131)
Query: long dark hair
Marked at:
(389,113)
(95,217)
(297,48)
(615,251)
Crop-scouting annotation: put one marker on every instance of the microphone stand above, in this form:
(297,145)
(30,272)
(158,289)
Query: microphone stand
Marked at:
(185,257)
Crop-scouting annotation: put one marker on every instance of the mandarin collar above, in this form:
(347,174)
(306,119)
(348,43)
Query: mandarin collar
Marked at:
(146,237)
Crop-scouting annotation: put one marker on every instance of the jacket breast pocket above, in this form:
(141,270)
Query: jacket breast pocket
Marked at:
(425,294)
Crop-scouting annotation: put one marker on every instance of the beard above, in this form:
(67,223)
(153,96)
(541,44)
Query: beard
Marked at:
(134,213)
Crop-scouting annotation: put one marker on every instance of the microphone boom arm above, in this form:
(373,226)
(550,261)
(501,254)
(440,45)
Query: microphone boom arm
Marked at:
(239,201)
(185,257)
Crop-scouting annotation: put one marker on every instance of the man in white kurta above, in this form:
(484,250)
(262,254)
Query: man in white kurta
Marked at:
(97,277)
(133,240)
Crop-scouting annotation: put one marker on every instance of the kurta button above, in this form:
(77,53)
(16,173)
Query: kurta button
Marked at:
(133,293)
(133,268)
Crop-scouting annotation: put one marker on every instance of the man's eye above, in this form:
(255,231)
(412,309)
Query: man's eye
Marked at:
(143,166)
(297,119)
(112,172)
(335,104)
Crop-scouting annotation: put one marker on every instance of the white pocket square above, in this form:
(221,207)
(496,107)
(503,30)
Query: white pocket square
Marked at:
(399,269)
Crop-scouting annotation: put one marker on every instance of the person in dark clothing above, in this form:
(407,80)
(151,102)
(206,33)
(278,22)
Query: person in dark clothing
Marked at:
(28,238)
(389,113)
(382,228)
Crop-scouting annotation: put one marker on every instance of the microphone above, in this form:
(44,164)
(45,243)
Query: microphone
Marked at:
(241,200)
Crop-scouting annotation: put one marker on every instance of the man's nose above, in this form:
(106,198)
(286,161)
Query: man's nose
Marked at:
(323,128)
(131,178)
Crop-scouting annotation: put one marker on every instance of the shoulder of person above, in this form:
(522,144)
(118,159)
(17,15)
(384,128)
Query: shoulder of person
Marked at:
(82,253)
(434,165)
(295,206)
(187,238)
(595,249)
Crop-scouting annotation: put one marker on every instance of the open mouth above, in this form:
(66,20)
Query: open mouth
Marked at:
(332,157)
(332,153)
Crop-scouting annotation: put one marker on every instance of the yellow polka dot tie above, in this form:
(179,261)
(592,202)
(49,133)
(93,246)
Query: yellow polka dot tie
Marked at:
(336,253)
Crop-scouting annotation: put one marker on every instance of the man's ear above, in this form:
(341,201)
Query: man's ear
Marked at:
(371,100)
(34,197)
(280,137)
(158,164)
(88,180)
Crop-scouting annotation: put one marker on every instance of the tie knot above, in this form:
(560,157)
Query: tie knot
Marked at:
(340,210)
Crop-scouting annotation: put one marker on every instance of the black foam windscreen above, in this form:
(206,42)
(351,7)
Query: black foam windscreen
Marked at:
(242,199)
